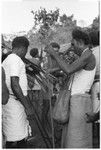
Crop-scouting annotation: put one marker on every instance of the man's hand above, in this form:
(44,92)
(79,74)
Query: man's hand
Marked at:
(53,70)
(29,109)
(30,84)
(91,117)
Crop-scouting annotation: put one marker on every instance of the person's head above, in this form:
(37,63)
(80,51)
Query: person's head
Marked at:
(55,46)
(20,46)
(80,40)
(34,52)
(94,38)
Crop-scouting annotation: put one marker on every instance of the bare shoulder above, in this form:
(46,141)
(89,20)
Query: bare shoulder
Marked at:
(91,62)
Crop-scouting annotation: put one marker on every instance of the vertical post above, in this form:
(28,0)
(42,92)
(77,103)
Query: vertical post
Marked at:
(52,125)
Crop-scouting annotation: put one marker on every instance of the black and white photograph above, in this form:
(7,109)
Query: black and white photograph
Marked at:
(50,74)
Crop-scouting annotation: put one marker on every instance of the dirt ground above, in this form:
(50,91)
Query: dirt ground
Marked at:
(41,125)
(38,142)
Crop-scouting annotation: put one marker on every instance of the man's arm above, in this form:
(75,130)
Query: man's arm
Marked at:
(92,117)
(18,93)
(75,66)
(53,70)
(5,92)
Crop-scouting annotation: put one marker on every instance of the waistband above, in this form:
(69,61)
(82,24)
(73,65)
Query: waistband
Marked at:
(12,96)
(15,142)
(86,94)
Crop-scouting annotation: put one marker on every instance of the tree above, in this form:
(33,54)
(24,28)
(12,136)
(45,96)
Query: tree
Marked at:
(96,23)
(45,21)
(68,20)
(63,19)
(95,26)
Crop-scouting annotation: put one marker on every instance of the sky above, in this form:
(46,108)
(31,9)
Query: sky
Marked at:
(16,15)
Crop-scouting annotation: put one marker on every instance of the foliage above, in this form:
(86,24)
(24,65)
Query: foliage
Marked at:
(95,26)
(45,20)
(67,21)
(96,23)
(53,27)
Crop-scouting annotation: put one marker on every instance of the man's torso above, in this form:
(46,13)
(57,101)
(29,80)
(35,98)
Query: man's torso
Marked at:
(15,122)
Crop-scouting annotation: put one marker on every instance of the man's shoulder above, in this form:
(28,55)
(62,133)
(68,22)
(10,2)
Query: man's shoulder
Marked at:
(92,58)
(91,62)
(97,48)
(13,58)
(88,55)
(14,61)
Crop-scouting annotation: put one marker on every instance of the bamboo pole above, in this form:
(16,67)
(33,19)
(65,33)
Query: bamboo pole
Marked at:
(43,132)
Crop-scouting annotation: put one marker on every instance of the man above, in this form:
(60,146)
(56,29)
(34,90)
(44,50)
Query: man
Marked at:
(52,64)
(15,123)
(95,90)
(35,56)
(94,36)
(35,60)
(93,117)
(35,92)
(77,133)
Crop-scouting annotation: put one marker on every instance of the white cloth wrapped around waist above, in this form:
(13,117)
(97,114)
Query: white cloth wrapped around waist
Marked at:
(15,123)
(78,133)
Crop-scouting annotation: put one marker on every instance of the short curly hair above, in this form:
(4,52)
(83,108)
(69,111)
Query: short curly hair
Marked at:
(78,35)
(94,38)
(55,45)
(20,41)
(34,52)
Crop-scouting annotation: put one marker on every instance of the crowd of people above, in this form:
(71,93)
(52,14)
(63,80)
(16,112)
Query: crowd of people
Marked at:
(20,93)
